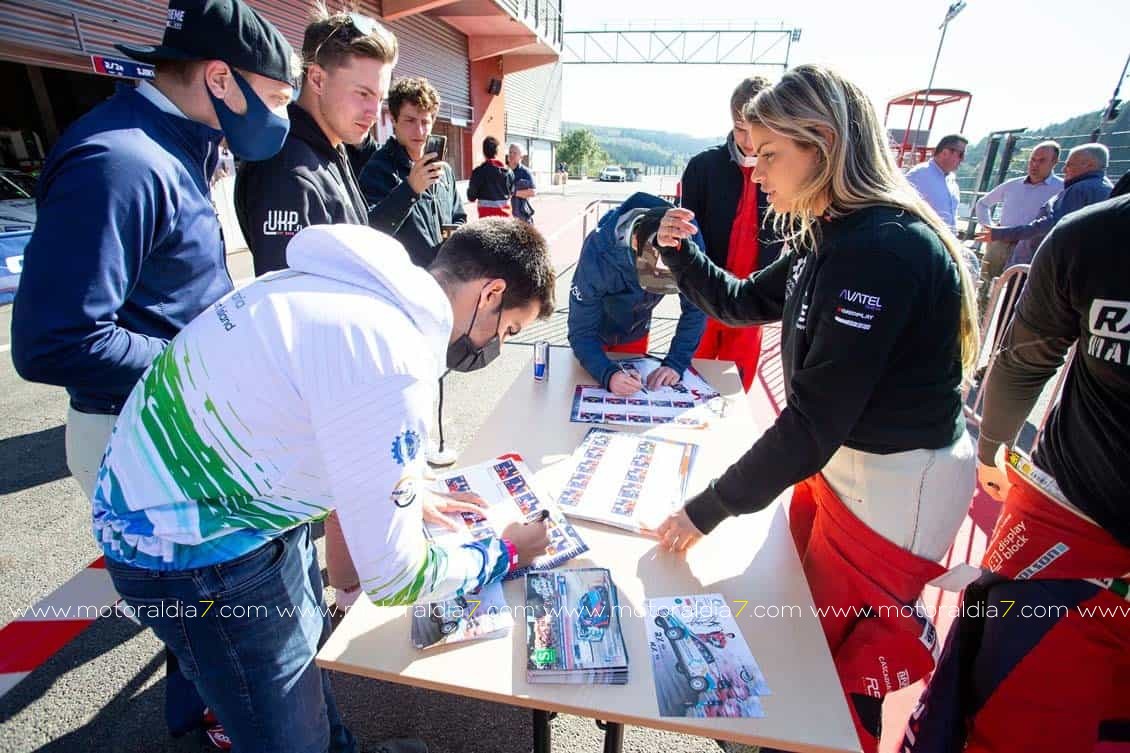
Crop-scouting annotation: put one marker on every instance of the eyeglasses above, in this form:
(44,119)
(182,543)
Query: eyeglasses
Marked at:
(361,25)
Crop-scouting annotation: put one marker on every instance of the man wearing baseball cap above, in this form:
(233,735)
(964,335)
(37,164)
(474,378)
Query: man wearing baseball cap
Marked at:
(127,248)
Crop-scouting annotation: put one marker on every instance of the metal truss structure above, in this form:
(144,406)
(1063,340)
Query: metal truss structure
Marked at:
(755,45)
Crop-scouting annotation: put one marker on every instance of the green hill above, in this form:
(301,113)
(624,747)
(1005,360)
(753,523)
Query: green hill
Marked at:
(639,148)
(1069,133)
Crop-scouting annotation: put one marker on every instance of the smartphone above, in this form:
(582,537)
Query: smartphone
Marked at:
(438,145)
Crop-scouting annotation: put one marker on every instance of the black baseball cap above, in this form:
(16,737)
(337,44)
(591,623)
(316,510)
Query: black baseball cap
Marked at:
(227,30)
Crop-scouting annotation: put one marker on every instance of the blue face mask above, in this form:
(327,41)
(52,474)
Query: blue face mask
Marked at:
(256,135)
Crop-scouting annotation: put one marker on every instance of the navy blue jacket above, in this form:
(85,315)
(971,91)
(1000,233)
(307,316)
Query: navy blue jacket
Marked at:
(126,251)
(607,306)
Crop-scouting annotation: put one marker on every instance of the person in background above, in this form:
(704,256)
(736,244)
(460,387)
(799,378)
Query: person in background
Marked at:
(347,67)
(492,183)
(610,307)
(524,187)
(1084,183)
(128,248)
(728,208)
(1021,200)
(1054,590)
(412,195)
(879,321)
(936,179)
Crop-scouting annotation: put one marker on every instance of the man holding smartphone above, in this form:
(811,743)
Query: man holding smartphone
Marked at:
(410,189)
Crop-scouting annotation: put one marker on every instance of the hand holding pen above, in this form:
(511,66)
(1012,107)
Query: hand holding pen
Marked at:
(625,382)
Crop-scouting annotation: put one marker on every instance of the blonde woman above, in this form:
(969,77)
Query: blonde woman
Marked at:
(878,321)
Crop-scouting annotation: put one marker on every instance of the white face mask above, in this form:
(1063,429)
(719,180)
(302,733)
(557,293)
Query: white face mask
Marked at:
(745,160)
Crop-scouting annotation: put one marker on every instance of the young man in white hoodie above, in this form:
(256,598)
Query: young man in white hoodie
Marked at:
(307,391)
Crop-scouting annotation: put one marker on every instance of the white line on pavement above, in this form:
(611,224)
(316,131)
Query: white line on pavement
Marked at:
(557,233)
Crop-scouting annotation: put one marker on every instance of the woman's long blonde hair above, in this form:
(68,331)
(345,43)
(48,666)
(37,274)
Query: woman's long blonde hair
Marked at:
(854,171)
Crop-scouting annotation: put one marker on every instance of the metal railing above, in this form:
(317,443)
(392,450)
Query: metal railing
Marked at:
(594,210)
(1004,295)
(543,16)
(998,315)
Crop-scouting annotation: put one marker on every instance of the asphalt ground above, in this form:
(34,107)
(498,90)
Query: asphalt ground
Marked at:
(105,690)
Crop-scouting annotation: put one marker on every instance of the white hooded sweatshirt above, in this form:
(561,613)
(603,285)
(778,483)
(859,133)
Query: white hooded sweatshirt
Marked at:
(306,391)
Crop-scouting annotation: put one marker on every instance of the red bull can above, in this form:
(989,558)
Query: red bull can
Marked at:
(541,360)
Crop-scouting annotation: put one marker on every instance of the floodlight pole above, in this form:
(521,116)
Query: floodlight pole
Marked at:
(1111,109)
(951,14)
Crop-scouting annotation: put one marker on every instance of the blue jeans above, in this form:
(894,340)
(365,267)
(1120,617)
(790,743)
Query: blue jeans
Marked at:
(245,632)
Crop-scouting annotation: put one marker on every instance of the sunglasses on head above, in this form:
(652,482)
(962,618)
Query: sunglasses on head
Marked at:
(355,24)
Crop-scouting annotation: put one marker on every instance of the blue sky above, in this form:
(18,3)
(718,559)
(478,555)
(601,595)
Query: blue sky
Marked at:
(1027,63)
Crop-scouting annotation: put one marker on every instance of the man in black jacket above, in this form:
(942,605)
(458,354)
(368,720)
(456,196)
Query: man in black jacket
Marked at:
(492,183)
(730,210)
(412,195)
(348,61)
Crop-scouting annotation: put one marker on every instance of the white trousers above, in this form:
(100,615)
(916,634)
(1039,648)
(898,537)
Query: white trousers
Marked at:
(915,499)
(86,439)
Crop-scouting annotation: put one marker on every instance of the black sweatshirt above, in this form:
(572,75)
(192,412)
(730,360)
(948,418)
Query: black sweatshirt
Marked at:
(492,181)
(416,220)
(309,182)
(1078,292)
(712,188)
(869,343)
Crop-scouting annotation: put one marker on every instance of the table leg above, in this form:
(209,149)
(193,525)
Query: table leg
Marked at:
(613,736)
(542,740)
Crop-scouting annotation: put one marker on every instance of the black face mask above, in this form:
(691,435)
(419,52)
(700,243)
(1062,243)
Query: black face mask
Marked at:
(463,355)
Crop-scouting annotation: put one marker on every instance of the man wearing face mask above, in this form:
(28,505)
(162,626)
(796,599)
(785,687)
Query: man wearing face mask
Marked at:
(128,248)
(348,61)
(730,209)
(307,391)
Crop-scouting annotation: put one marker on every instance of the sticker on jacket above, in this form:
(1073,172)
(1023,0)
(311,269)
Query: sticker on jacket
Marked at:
(405,447)
(1110,331)
(281,222)
(860,309)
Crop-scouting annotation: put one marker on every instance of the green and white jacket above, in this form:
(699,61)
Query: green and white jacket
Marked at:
(309,390)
